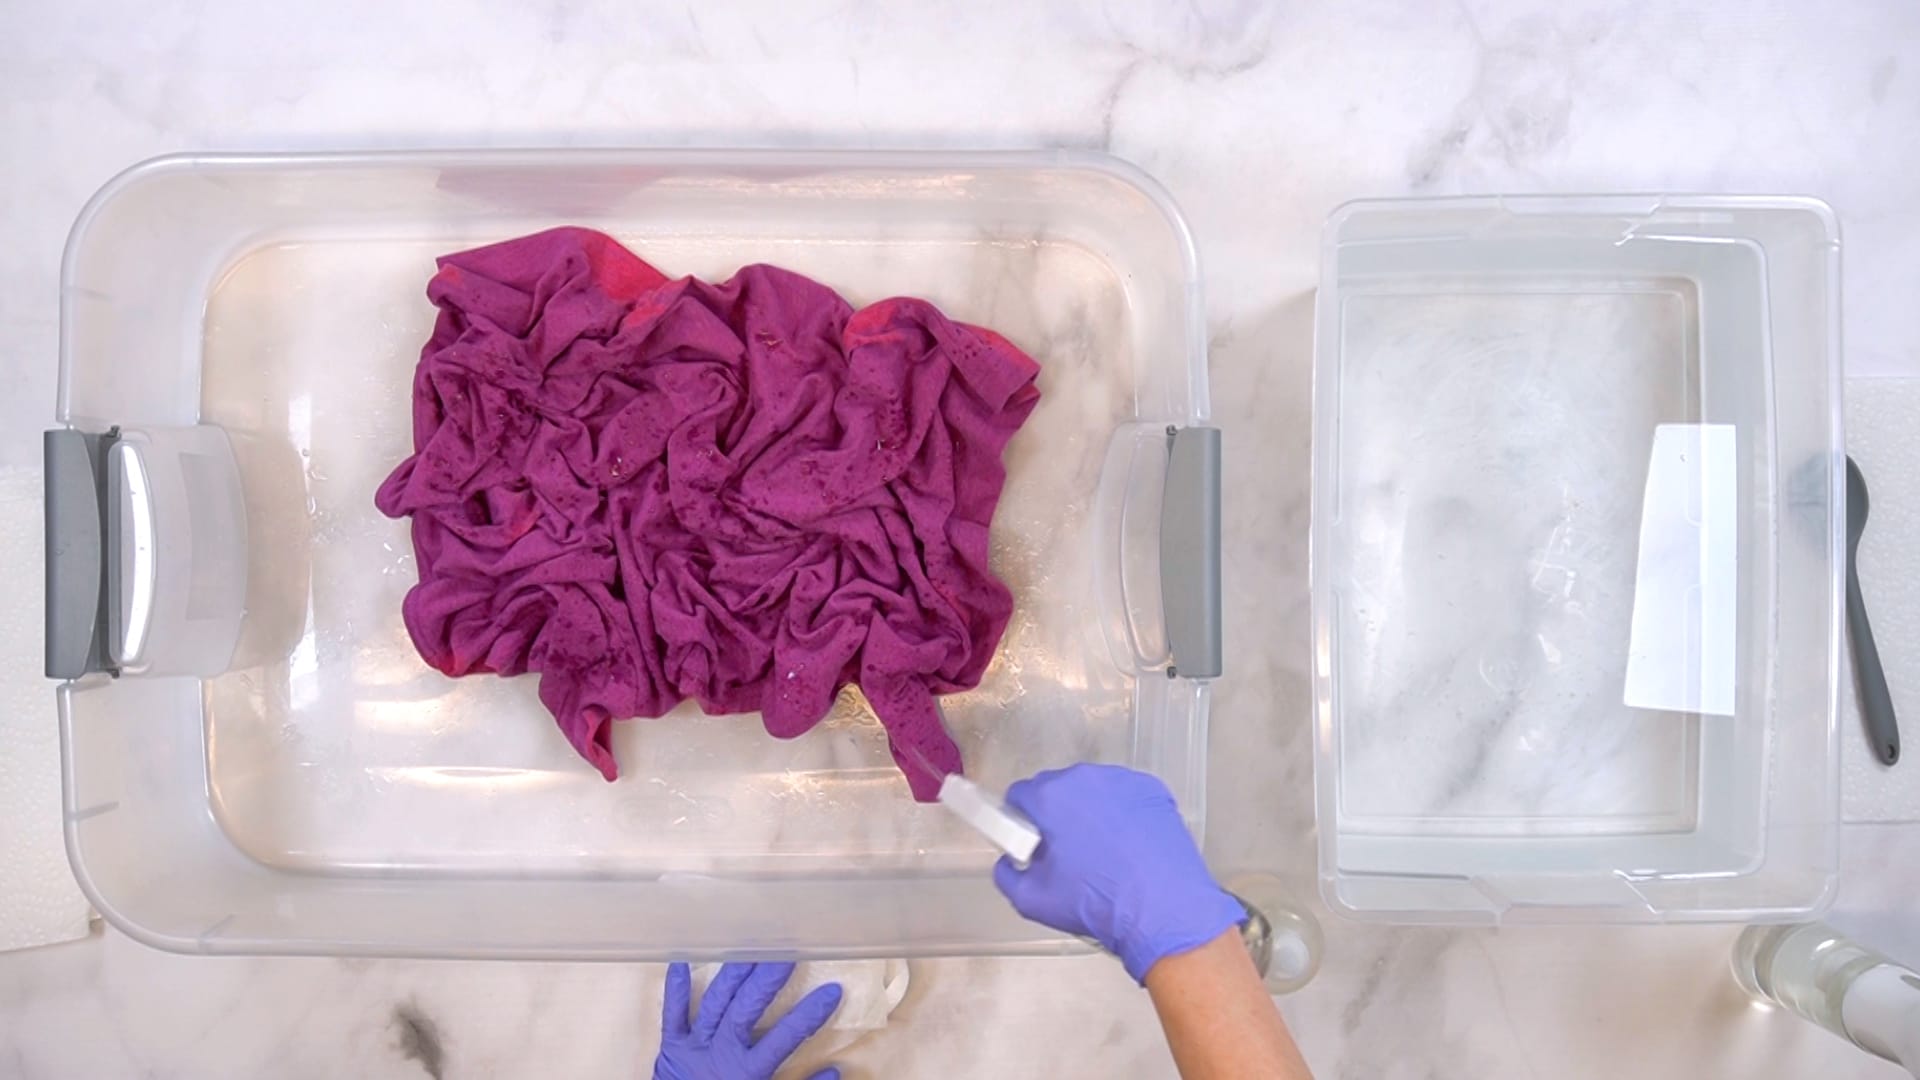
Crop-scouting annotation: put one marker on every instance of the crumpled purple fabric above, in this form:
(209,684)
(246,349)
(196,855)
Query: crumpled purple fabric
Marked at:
(747,494)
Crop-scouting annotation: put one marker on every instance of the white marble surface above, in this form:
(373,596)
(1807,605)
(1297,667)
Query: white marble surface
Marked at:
(1260,118)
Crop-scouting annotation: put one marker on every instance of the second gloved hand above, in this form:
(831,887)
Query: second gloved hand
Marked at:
(1116,864)
(719,1044)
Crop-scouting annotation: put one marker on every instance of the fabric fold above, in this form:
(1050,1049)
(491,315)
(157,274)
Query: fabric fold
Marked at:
(747,494)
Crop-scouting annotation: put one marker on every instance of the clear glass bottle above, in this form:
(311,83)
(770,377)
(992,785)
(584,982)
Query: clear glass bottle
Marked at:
(1283,937)
(1856,993)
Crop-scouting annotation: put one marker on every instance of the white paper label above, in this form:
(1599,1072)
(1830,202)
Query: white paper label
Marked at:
(1680,657)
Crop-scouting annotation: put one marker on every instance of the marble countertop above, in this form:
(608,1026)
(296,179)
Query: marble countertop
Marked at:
(1260,118)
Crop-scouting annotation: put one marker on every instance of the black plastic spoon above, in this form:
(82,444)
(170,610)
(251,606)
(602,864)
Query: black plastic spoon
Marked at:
(1876,703)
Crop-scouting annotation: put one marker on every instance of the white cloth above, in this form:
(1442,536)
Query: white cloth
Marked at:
(40,903)
(870,991)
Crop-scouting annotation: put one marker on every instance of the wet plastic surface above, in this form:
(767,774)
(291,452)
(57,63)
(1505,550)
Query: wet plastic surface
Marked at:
(329,790)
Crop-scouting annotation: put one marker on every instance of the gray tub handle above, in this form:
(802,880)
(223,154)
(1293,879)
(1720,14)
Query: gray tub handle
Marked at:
(76,525)
(146,551)
(1190,552)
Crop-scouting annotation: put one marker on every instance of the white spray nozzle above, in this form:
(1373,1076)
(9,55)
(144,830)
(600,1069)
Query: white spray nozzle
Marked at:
(1004,828)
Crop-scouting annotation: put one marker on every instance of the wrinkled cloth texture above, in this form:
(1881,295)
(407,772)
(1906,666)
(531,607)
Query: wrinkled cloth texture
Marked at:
(746,494)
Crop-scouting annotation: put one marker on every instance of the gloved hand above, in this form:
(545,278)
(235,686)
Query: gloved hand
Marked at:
(1115,864)
(718,1044)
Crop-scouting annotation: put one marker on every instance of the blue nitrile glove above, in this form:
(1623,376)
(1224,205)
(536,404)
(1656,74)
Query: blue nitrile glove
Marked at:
(719,1044)
(1115,864)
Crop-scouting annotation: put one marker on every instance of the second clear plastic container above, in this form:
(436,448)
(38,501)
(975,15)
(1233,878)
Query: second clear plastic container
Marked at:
(275,770)
(1576,558)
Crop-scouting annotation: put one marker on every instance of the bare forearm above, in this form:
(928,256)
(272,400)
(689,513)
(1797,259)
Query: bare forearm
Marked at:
(1220,1022)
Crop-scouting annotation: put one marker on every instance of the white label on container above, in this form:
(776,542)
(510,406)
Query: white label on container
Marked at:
(1680,655)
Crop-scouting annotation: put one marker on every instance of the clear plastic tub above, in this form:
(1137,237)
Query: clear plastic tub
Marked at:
(1548,685)
(283,774)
